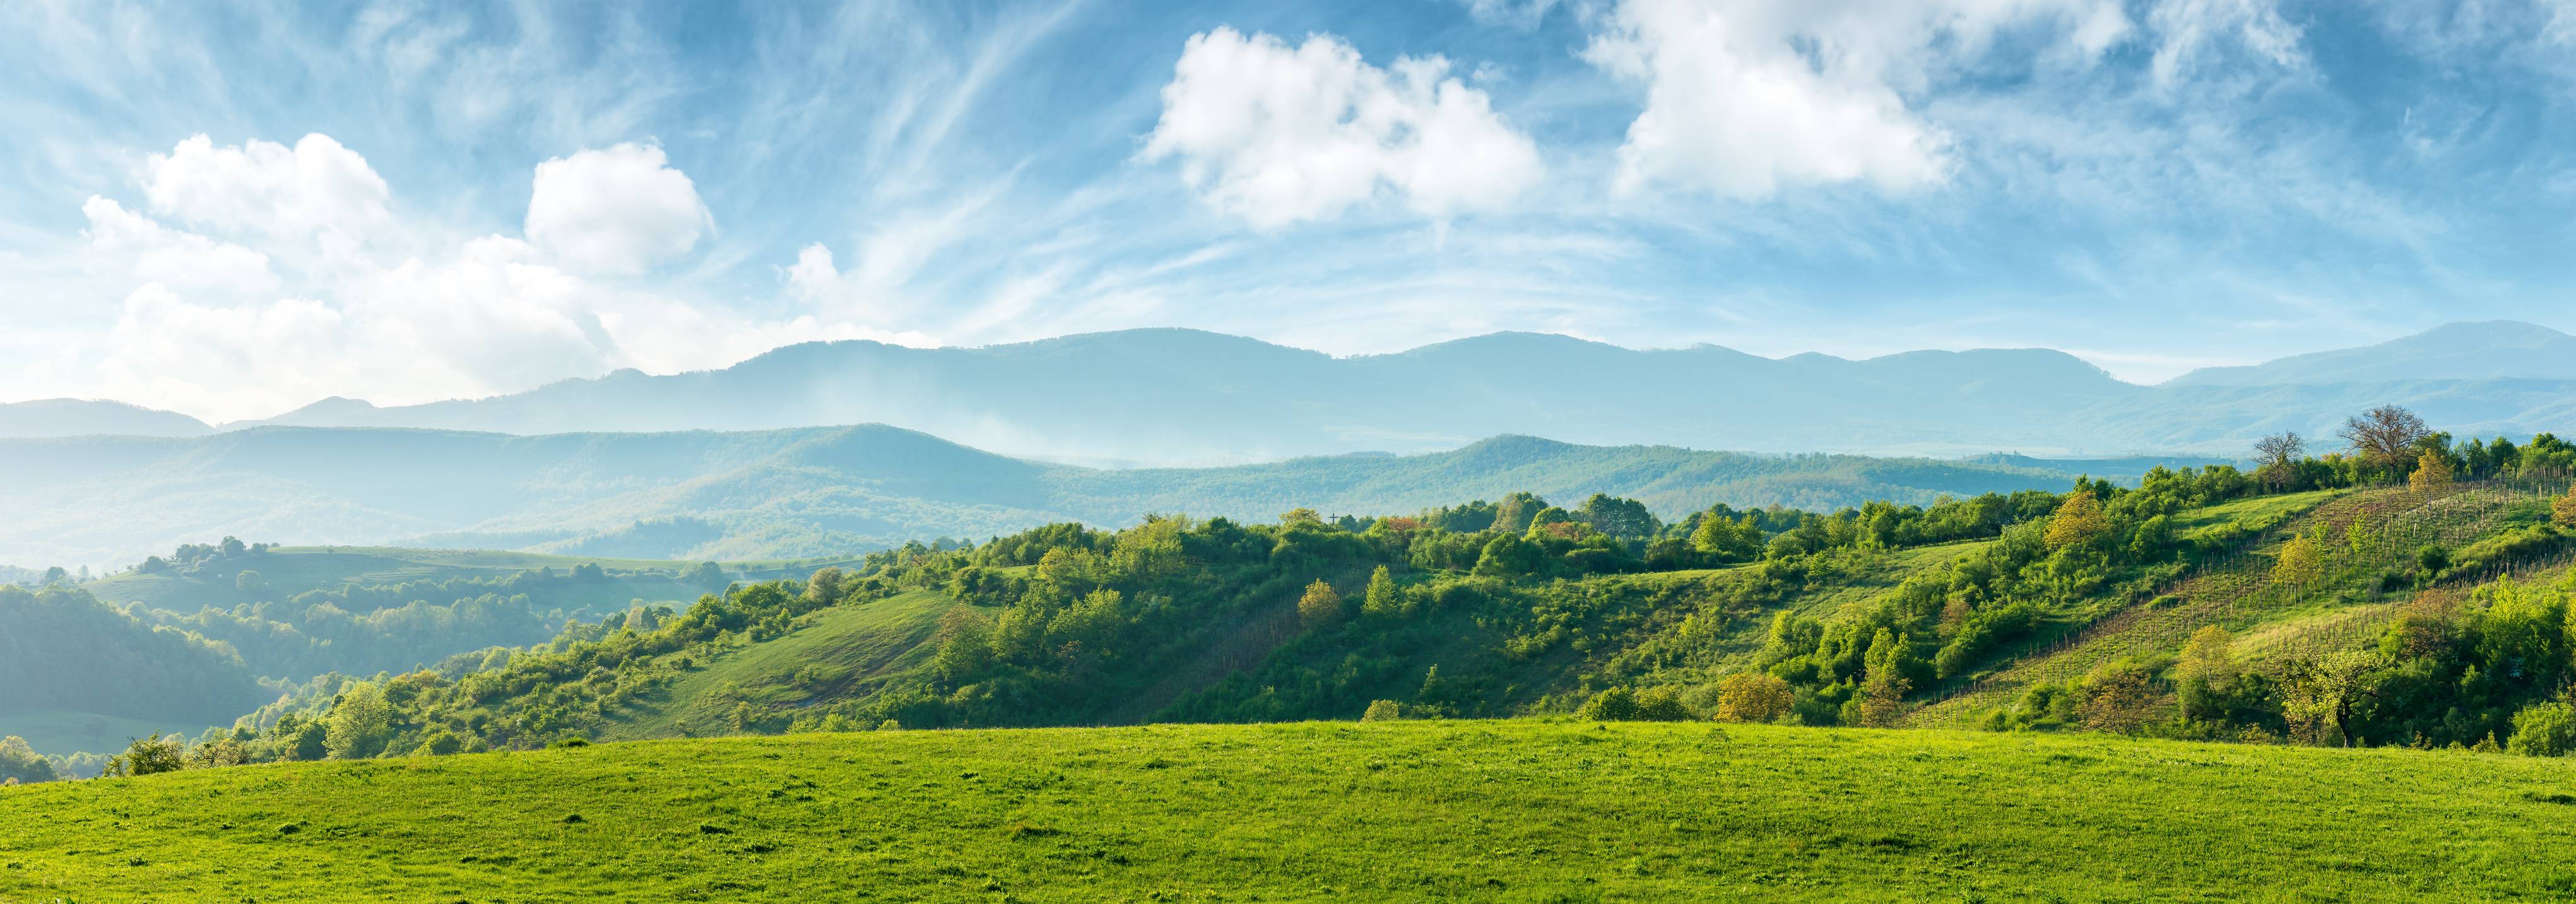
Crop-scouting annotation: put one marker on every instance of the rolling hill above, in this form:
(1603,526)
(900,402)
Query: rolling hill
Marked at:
(109,501)
(1500,811)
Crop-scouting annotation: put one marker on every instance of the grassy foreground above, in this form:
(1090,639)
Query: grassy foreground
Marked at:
(1512,811)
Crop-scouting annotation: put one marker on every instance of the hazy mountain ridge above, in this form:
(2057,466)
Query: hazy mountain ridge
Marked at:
(1186,397)
(2482,350)
(108,501)
(85,417)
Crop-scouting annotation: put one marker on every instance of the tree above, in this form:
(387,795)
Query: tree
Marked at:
(1382,599)
(2318,698)
(1625,519)
(1515,512)
(1753,697)
(1320,607)
(249,582)
(705,574)
(2432,473)
(2119,698)
(2079,522)
(1880,702)
(2277,457)
(358,723)
(2385,435)
(1508,556)
(21,763)
(2301,563)
(2563,510)
(54,575)
(1301,517)
(2207,668)
(1383,711)
(1727,539)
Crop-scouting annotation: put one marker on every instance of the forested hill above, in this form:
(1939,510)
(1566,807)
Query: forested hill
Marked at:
(109,501)
(2339,601)
(1183,397)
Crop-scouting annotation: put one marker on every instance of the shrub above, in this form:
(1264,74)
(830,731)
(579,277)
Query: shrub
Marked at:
(1753,697)
(442,743)
(147,756)
(2544,729)
(570,742)
(2432,558)
(1382,711)
(1662,704)
(1617,704)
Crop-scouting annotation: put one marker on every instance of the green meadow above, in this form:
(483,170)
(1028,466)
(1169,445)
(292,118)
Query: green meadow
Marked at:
(1523,810)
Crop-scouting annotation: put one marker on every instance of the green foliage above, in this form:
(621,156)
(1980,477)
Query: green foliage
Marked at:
(2544,729)
(20,764)
(61,649)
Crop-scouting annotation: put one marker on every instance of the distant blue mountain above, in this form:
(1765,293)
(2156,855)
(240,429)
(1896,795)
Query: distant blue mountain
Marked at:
(2489,350)
(81,417)
(1185,397)
(1169,396)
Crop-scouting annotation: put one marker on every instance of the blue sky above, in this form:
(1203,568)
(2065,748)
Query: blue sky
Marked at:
(234,209)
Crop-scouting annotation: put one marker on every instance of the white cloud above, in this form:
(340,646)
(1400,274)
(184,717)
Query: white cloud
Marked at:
(161,254)
(1278,135)
(2190,30)
(266,188)
(619,210)
(230,330)
(1743,98)
(813,277)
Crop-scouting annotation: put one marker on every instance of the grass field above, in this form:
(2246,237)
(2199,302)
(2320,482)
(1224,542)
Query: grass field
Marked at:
(1486,811)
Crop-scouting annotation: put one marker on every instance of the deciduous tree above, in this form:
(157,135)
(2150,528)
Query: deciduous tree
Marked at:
(1320,607)
(2385,435)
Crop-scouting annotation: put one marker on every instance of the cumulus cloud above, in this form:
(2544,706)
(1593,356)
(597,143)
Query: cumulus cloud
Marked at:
(618,210)
(229,331)
(176,257)
(1278,134)
(1744,98)
(266,188)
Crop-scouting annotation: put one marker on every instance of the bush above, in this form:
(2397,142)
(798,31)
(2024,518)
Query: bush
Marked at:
(147,756)
(1382,711)
(1753,697)
(442,743)
(573,742)
(2544,729)
(1617,704)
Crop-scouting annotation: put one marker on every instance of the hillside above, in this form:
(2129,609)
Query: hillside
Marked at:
(109,501)
(1511,811)
(76,670)
(286,571)
(1184,397)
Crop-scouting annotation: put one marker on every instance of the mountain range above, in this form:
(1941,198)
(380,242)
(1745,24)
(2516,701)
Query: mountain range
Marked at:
(107,501)
(1184,397)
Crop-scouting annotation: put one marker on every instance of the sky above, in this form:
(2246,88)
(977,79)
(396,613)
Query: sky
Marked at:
(231,210)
